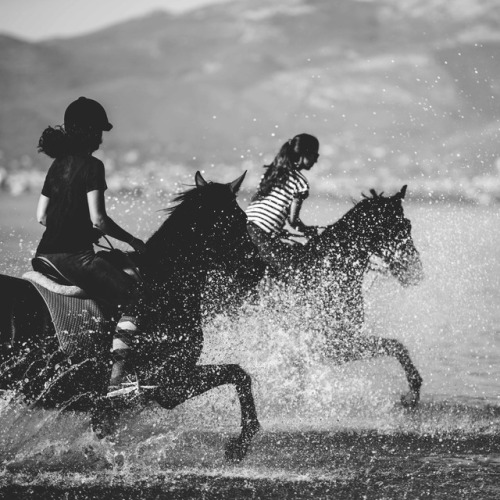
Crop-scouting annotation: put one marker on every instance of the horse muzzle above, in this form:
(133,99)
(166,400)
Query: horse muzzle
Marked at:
(408,270)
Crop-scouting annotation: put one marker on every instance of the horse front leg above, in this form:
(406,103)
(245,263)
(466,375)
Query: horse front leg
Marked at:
(174,390)
(393,347)
(360,347)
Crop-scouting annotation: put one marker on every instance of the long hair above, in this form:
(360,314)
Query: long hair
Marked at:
(57,142)
(285,161)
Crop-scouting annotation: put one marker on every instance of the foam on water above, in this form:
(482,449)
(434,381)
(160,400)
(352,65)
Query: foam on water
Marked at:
(298,392)
(450,324)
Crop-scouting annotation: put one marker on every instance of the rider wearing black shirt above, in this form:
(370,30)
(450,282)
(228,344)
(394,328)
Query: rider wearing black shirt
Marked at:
(72,207)
(69,227)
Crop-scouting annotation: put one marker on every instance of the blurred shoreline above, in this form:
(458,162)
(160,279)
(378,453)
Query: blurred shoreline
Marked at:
(158,178)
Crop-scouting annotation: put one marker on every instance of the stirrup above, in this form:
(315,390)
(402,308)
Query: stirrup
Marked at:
(128,387)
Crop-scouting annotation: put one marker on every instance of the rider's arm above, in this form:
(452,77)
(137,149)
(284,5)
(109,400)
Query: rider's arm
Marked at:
(295,221)
(41,210)
(102,221)
(293,217)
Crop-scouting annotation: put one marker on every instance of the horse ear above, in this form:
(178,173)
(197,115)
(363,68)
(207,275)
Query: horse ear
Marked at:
(236,184)
(403,191)
(200,181)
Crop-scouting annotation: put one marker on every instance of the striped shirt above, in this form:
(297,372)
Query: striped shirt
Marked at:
(270,213)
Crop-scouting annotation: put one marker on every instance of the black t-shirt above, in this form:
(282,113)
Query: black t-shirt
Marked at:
(69,179)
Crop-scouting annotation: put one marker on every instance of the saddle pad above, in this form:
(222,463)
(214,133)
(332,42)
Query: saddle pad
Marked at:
(80,323)
(45,282)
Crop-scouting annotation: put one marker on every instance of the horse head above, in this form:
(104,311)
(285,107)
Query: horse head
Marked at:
(387,234)
(222,220)
(204,227)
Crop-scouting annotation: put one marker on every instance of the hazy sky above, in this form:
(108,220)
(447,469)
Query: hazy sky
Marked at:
(39,19)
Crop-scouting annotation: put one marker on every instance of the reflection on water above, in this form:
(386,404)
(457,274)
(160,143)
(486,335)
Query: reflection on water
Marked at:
(446,450)
(327,428)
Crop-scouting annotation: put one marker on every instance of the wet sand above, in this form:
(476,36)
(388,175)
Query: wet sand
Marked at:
(286,465)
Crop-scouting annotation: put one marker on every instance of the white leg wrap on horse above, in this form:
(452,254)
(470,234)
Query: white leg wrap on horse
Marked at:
(119,344)
(127,326)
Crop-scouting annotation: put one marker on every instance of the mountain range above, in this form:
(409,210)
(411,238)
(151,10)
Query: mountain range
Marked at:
(390,87)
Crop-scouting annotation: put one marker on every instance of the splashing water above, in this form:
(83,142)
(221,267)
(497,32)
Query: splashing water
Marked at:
(326,426)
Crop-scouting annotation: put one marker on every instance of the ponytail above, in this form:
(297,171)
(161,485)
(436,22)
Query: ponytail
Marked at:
(54,142)
(57,142)
(285,161)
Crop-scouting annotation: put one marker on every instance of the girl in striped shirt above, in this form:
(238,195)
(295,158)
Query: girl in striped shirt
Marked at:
(278,200)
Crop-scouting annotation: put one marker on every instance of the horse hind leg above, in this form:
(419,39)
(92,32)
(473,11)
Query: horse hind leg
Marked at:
(202,378)
(24,323)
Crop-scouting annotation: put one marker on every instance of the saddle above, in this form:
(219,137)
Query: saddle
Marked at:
(46,274)
(79,320)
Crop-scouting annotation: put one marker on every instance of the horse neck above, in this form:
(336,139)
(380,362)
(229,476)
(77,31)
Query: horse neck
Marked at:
(345,248)
(169,261)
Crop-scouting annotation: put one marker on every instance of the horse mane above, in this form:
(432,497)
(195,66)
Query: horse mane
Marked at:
(181,200)
(179,219)
(374,194)
(185,220)
(358,205)
(343,225)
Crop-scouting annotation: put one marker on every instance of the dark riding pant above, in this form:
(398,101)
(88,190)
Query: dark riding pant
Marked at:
(280,256)
(107,283)
(97,276)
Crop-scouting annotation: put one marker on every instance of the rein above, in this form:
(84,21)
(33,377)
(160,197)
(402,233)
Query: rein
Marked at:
(110,245)
(131,267)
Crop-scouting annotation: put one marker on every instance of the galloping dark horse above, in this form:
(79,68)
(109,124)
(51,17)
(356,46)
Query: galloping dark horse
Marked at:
(327,273)
(206,225)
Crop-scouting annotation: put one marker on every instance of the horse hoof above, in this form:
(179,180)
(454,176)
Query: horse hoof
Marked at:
(103,420)
(237,448)
(410,400)
(103,428)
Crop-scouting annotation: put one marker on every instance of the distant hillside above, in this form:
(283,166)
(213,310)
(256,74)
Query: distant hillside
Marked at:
(391,87)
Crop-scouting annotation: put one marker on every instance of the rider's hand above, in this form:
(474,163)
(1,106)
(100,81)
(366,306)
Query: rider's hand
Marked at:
(310,231)
(284,234)
(138,245)
(96,235)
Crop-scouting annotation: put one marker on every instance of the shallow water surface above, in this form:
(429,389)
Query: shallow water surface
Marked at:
(329,431)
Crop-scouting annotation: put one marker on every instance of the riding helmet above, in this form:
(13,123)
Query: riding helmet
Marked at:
(86,112)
